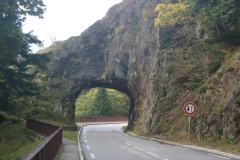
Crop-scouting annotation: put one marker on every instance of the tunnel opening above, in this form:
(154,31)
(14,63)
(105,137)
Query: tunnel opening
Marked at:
(102,102)
(90,93)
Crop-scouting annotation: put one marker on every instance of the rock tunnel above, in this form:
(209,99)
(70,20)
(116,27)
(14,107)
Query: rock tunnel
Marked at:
(126,52)
(89,61)
(115,53)
(113,83)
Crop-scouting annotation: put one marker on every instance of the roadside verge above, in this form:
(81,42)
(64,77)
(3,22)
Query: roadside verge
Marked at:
(188,146)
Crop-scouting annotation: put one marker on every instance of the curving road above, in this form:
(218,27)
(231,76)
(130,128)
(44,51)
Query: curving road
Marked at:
(109,142)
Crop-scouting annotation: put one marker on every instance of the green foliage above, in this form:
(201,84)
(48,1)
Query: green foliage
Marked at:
(215,54)
(119,102)
(15,57)
(102,105)
(2,118)
(85,102)
(102,102)
(220,19)
(42,110)
(14,139)
(73,135)
(170,14)
(13,42)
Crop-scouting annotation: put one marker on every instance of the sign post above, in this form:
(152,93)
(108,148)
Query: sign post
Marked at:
(189,126)
(189,109)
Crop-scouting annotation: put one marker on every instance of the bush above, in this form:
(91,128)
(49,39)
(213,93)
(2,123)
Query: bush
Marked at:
(2,118)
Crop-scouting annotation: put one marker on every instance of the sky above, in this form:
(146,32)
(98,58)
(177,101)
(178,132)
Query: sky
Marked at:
(66,18)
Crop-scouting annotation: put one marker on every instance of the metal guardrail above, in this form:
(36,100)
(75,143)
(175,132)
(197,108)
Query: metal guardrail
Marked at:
(48,149)
(80,119)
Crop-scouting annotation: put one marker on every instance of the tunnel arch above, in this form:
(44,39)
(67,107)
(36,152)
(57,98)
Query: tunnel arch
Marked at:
(97,58)
(113,83)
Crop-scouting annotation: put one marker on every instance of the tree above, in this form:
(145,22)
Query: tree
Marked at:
(15,52)
(102,104)
(120,103)
(221,18)
(170,14)
(85,103)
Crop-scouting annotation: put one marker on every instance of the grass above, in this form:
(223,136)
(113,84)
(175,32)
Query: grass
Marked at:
(219,145)
(14,139)
(73,135)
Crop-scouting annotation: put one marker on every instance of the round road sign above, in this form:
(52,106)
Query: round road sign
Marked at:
(190,108)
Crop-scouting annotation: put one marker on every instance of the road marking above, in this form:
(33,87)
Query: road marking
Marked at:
(92,156)
(88,147)
(128,144)
(219,156)
(153,154)
(85,141)
(138,148)
(84,137)
(181,147)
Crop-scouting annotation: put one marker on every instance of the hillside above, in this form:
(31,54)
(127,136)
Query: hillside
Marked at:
(159,66)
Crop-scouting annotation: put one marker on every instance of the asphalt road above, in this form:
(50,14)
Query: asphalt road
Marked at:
(109,142)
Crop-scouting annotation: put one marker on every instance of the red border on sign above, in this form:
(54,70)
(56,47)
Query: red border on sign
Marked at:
(185,108)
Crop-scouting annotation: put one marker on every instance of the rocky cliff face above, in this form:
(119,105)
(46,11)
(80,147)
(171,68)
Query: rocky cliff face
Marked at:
(160,69)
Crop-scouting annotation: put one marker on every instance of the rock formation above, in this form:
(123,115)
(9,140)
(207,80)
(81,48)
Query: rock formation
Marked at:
(160,69)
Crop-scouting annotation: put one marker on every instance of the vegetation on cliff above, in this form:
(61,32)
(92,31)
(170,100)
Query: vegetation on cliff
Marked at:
(199,41)
(220,19)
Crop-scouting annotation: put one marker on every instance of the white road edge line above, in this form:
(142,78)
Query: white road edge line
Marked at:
(153,154)
(79,146)
(219,156)
(87,147)
(128,144)
(181,147)
(138,148)
(92,156)
(85,141)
